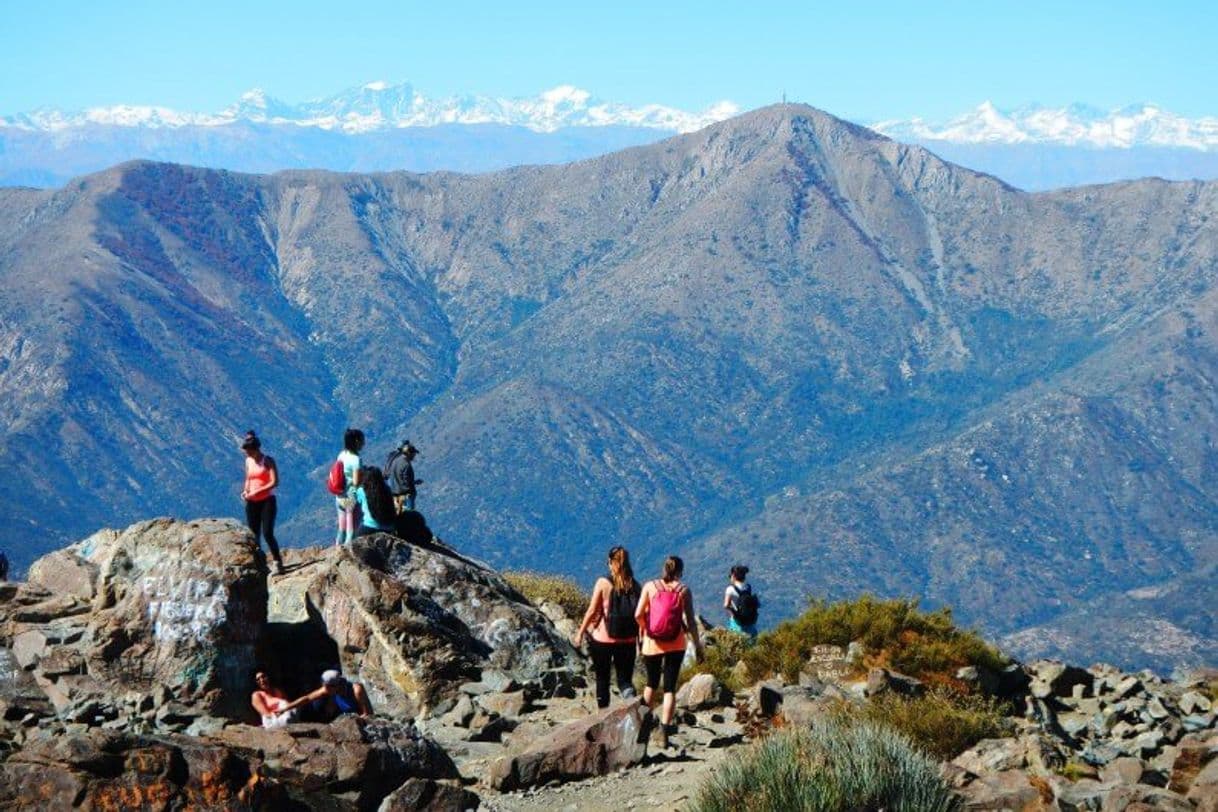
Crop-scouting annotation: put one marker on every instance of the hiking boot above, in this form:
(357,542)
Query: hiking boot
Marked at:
(279,570)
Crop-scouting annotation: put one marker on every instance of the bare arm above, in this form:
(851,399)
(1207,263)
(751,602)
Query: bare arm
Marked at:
(593,615)
(306,699)
(640,614)
(691,621)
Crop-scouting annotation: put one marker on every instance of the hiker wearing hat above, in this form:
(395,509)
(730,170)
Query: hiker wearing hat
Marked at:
(336,696)
(399,472)
(261,479)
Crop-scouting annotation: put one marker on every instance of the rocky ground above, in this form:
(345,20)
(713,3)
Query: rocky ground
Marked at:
(126,664)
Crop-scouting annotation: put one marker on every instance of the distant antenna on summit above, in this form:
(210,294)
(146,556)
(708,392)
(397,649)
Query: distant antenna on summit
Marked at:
(784,97)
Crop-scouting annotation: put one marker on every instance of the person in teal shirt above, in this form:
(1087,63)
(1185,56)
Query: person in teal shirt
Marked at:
(376,503)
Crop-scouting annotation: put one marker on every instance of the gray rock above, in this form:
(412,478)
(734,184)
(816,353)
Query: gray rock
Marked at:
(1010,790)
(1194,702)
(993,755)
(1083,795)
(703,691)
(1122,771)
(597,745)
(1143,797)
(881,680)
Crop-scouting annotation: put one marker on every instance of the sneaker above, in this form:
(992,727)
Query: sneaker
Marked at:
(627,692)
(279,570)
(660,737)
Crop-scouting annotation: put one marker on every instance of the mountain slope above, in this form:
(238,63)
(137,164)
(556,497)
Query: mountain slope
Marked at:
(784,339)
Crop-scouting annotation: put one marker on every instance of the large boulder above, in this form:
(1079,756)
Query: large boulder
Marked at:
(414,621)
(164,604)
(351,764)
(604,742)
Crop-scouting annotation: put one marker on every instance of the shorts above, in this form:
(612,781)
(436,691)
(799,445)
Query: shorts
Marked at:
(669,664)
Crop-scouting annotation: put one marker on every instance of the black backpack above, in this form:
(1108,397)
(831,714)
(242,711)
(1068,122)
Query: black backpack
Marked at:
(620,622)
(747,606)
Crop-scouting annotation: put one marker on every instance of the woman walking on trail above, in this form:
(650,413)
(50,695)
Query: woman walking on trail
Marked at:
(666,616)
(614,629)
(261,478)
(348,503)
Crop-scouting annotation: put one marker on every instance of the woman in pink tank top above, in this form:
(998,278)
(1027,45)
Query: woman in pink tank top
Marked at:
(261,478)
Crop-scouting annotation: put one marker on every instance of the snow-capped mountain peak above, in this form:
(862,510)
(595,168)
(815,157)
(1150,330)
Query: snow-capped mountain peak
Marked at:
(1075,125)
(380,105)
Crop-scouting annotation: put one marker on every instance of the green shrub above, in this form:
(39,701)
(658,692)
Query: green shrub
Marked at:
(539,587)
(836,766)
(894,633)
(724,649)
(942,723)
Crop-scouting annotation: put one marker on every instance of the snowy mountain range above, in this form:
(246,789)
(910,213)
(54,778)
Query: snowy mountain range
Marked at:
(1139,125)
(379,106)
(381,127)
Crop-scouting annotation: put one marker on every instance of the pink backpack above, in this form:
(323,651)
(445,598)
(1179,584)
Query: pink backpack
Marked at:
(665,613)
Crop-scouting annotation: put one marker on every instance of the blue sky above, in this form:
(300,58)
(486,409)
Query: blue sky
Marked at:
(885,59)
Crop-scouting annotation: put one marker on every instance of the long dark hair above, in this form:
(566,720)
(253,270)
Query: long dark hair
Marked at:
(380,501)
(619,570)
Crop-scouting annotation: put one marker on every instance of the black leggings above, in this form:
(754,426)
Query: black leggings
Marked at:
(669,663)
(621,657)
(260,516)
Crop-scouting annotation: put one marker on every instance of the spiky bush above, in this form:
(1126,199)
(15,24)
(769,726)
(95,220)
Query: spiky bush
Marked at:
(835,766)
(539,587)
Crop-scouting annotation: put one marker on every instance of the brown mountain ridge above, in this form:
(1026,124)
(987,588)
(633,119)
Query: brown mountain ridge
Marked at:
(783,339)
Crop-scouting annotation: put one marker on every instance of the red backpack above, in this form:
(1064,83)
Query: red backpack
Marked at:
(665,613)
(336,483)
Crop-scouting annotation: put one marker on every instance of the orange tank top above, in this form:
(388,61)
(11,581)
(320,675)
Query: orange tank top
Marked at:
(258,475)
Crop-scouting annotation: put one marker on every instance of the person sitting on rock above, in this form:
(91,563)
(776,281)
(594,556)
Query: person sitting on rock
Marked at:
(377,514)
(270,702)
(336,696)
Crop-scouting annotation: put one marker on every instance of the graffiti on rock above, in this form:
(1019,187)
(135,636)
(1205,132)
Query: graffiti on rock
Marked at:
(184,608)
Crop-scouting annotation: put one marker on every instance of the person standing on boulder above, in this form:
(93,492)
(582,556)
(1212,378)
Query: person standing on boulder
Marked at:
(665,616)
(261,479)
(348,504)
(610,616)
(399,471)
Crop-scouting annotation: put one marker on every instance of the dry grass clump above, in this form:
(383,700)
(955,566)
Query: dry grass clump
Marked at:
(837,765)
(540,587)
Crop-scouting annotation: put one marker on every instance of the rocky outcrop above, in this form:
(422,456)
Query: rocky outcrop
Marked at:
(350,764)
(606,741)
(415,622)
(164,606)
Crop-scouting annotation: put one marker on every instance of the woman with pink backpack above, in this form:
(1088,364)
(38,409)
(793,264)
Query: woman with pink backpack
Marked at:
(666,616)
